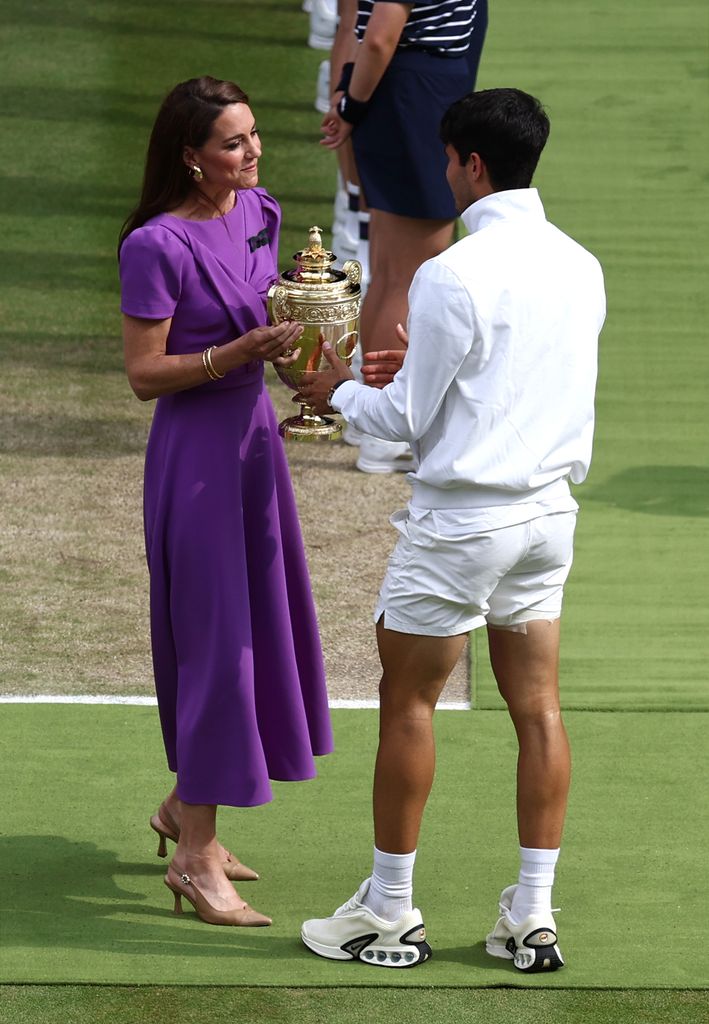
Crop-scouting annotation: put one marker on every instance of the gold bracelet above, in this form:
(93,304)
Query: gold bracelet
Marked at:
(210,373)
(210,364)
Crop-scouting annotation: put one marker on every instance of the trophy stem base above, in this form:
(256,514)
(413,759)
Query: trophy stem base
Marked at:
(310,428)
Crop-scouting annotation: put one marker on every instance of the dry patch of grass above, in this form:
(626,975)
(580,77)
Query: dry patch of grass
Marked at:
(73,580)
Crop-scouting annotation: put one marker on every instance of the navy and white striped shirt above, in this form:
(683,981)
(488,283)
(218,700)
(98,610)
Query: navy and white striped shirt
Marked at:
(443,27)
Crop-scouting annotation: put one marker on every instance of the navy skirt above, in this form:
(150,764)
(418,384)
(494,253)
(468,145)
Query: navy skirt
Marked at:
(400,158)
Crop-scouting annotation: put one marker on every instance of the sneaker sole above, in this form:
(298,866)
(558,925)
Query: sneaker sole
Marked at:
(365,949)
(382,467)
(533,957)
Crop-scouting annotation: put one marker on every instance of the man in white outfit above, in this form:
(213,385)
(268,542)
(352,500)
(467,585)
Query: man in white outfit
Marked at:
(495,396)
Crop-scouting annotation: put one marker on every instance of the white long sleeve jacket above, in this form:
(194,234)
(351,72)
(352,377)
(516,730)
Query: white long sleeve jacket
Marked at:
(497,388)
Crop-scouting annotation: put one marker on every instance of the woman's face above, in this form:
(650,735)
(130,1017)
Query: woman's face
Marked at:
(229,158)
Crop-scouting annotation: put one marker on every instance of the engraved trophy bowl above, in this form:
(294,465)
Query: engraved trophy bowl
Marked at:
(326,302)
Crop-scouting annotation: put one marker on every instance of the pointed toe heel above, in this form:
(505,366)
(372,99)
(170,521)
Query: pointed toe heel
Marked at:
(182,885)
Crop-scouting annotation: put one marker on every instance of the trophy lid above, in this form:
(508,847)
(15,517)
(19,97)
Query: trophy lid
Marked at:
(313,264)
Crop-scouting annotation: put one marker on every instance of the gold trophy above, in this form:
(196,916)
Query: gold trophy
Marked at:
(326,302)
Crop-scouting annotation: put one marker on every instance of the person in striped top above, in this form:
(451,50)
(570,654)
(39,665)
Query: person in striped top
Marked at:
(444,27)
(412,61)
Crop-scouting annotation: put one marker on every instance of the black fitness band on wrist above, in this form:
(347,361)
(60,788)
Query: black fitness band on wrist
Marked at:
(346,77)
(333,389)
(351,110)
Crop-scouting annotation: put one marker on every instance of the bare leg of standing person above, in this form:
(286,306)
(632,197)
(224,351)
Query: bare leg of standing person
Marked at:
(196,872)
(414,672)
(378,924)
(397,248)
(526,667)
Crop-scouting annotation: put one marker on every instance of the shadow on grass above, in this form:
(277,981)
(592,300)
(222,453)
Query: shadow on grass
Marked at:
(63,895)
(60,103)
(476,957)
(246,28)
(66,351)
(61,272)
(63,198)
(656,490)
(71,436)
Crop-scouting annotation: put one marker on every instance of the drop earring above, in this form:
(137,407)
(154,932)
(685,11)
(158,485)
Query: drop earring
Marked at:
(197,173)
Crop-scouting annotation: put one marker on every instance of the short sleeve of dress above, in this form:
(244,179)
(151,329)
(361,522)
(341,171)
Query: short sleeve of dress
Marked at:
(151,265)
(271,212)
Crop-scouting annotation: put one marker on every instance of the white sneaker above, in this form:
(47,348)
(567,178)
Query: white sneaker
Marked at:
(355,933)
(323,24)
(378,456)
(530,944)
(351,436)
(342,245)
(322,93)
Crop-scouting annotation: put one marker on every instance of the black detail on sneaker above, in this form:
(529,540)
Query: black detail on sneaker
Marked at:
(416,937)
(355,946)
(541,944)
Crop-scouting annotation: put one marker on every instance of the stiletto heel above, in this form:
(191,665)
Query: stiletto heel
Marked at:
(167,828)
(182,885)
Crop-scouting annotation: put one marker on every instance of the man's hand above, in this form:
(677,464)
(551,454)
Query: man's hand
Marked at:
(315,386)
(380,368)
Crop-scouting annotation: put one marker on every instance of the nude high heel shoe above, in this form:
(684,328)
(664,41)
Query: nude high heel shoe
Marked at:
(182,885)
(167,828)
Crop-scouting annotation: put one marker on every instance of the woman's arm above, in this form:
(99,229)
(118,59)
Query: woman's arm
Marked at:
(152,372)
(344,47)
(374,55)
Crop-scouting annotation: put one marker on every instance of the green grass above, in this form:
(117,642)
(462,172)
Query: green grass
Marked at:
(625,173)
(92,908)
(94,1005)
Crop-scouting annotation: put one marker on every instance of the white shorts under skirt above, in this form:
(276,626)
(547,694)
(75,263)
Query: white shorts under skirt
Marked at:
(442,579)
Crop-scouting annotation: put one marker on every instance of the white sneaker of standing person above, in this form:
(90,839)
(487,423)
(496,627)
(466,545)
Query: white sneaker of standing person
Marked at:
(531,944)
(322,92)
(378,456)
(354,932)
(323,24)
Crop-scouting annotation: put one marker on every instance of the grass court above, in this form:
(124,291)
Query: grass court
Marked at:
(88,935)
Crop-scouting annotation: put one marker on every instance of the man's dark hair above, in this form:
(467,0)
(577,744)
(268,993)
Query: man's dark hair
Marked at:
(507,128)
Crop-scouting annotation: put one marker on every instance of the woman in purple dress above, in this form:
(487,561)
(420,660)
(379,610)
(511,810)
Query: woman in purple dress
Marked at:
(236,653)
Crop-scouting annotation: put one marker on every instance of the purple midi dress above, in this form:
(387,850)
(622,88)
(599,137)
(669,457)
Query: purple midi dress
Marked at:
(236,652)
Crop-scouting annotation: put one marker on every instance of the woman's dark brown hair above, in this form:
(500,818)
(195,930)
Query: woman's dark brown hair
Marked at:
(184,119)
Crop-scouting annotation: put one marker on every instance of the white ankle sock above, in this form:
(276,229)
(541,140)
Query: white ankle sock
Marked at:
(536,878)
(391,886)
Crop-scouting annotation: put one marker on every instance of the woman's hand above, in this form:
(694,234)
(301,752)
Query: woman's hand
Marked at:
(287,360)
(334,129)
(380,368)
(270,343)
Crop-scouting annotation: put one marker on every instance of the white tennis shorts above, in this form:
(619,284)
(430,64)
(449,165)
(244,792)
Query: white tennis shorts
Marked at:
(442,579)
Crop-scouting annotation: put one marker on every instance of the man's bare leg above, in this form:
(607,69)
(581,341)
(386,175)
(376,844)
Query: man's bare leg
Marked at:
(415,669)
(526,667)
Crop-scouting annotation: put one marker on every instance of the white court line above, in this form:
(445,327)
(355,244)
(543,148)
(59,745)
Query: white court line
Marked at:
(50,698)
